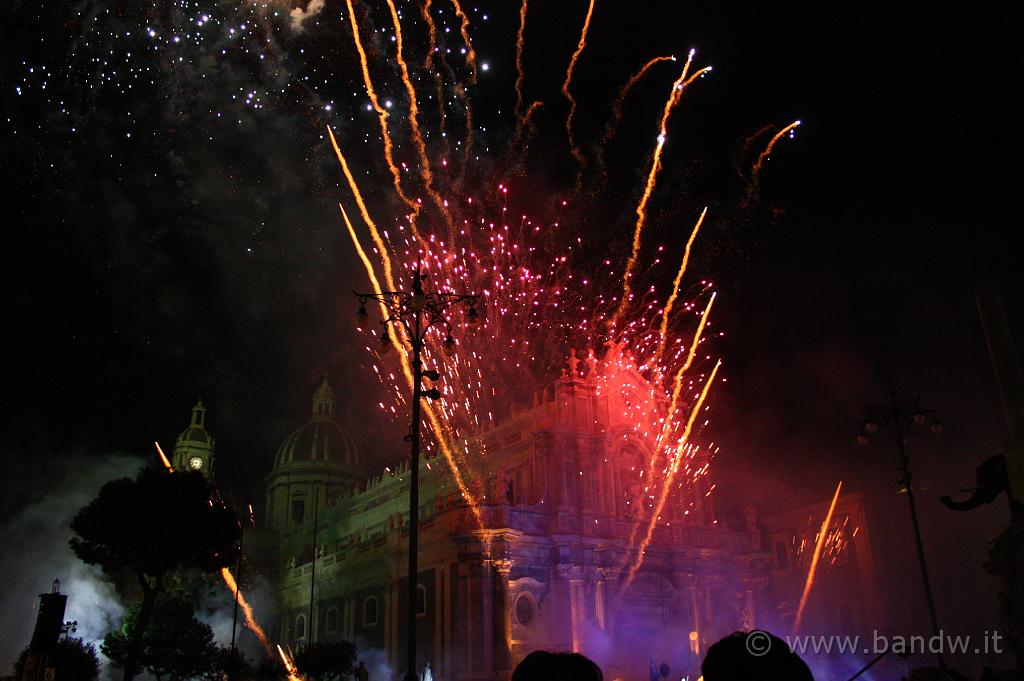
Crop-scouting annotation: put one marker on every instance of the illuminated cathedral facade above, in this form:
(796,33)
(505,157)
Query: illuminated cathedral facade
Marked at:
(541,562)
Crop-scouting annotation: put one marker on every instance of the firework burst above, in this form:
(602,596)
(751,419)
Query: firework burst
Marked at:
(543,294)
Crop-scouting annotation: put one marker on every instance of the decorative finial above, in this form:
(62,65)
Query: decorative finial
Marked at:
(573,363)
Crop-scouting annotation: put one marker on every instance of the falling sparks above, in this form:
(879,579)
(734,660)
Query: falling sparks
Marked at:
(667,483)
(815,557)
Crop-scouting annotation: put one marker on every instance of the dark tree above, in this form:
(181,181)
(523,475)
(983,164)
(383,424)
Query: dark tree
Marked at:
(174,642)
(232,664)
(152,526)
(270,668)
(328,661)
(73,660)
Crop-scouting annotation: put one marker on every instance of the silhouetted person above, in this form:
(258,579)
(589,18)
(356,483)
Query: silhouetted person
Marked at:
(361,673)
(541,665)
(753,656)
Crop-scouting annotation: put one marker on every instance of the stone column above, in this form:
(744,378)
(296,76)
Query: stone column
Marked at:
(486,587)
(502,616)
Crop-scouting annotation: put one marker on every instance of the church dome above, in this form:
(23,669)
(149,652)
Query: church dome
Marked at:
(321,440)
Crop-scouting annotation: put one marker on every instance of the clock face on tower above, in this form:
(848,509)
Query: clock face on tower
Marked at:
(196,463)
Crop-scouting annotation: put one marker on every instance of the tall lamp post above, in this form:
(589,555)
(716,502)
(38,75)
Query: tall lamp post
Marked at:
(415,312)
(896,419)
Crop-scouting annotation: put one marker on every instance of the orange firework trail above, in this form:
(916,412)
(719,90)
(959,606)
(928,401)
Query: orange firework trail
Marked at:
(428,64)
(759,163)
(519,63)
(414,124)
(250,618)
(382,114)
(678,87)
(612,128)
(163,458)
(467,150)
(822,534)
(663,331)
(525,129)
(289,665)
(577,154)
(464,30)
(667,483)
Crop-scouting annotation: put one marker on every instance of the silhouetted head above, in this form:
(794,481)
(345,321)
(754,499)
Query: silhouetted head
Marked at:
(540,665)
(753,656)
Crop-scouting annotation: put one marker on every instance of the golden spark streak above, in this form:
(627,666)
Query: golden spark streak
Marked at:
(382,114)
(414,125)
(519,62)
(677,385)
(289,665)
(814,559)
(576,153)
(669,478)
(250,618)
(678,87)
(374,232)
(464,29)
(652,463)
(399,345)
(163,458)
(663,331)
(771,145)
(696,336)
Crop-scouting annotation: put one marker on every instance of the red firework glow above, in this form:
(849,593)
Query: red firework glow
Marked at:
(542,297)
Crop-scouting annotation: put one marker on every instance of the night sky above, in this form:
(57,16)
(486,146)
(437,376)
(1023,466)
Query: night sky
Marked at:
(171,227)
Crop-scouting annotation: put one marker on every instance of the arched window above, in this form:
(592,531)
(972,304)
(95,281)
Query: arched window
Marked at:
(331,621)
(300,627)
(298,509)
(370,612)
(421,600)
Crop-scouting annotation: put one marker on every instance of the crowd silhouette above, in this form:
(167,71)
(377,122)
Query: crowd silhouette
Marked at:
(741,656)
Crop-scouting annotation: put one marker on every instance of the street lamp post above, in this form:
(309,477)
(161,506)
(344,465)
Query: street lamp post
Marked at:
(897,419)
(414,313)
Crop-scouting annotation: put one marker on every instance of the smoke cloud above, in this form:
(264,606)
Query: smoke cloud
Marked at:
(40,532)
(299,16)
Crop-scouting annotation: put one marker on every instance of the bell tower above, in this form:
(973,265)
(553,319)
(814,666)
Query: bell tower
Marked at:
(194,448)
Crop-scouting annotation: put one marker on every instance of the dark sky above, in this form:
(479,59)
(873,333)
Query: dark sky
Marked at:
(179,236)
